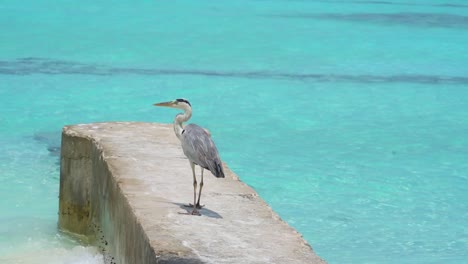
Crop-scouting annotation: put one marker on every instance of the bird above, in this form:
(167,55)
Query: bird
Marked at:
(197,146)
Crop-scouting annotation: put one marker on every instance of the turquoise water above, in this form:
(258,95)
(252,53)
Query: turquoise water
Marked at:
(350,118)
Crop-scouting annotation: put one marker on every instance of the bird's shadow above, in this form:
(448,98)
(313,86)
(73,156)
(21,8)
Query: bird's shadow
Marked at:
(203,211)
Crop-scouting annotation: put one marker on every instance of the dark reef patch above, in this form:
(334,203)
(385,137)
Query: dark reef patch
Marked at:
(396,3)
(28,66)
(407,19)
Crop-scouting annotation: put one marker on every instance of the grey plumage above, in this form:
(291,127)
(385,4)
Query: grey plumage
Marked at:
(200,149)
(197,146)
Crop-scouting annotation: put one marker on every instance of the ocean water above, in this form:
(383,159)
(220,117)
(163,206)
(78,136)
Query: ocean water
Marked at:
(350,118)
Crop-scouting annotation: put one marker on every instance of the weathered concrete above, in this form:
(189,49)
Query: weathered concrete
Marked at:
(124,184)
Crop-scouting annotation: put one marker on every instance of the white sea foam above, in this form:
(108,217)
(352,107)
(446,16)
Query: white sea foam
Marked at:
(36,254)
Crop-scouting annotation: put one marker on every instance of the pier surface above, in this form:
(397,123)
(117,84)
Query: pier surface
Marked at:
(124,185)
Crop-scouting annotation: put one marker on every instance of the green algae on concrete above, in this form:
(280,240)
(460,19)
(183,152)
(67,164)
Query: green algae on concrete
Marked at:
(125,184)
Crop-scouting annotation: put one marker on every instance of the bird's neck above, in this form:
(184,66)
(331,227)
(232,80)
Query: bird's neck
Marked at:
(180,119)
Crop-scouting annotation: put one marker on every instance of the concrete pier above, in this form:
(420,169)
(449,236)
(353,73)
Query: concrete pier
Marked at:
(123,185)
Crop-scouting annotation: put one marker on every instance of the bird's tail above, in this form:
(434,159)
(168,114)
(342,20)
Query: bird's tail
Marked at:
(218,169)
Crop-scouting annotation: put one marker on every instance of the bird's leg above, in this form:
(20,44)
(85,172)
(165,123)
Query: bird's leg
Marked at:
(196,205)
(194,211)
(199,194)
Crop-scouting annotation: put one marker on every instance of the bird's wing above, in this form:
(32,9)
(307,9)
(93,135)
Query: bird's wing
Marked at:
(200,149)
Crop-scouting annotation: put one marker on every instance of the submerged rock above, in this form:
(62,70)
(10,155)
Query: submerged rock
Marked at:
(51,140)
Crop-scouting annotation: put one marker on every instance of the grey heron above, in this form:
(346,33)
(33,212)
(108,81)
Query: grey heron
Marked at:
(197,146)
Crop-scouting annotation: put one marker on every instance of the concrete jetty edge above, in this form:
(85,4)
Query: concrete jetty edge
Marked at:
(123,185)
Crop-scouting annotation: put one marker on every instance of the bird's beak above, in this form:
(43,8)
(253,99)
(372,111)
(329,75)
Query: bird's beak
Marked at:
(166,104)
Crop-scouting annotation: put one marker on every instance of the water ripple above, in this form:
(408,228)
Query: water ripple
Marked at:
(28,66)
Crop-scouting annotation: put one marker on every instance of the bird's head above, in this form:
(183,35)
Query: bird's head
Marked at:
(177,103)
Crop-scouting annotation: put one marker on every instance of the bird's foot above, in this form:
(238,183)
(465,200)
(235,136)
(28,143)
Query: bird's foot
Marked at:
(195,212)
(199,206)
